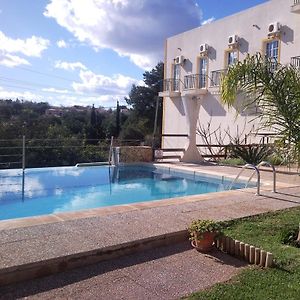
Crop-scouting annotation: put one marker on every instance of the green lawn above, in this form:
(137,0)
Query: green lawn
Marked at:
(280,282)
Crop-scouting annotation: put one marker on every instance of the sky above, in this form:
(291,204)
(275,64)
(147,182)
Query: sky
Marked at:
(84,52)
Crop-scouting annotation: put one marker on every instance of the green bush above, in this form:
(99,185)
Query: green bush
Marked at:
(232,162)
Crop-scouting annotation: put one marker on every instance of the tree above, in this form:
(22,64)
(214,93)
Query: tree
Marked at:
(143,102)
(274,88)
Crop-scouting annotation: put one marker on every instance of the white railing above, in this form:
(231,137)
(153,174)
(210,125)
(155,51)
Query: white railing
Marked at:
(295,61)
(215,79)
(170,85)
(195,81)
(296,2)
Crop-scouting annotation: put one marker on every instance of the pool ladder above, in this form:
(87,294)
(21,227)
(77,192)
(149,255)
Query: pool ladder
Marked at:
(257,172)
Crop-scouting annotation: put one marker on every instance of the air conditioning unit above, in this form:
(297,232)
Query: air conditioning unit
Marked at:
(233,40)
(179,60)
(273,28)
(203,48)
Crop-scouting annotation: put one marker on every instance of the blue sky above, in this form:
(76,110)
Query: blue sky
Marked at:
(85,52)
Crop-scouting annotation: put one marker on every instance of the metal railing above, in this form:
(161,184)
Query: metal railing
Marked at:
(216,76)
(296,2)
(267,164)
(256,170)
(27,153)
(170,85)
(295,61)
(194,81)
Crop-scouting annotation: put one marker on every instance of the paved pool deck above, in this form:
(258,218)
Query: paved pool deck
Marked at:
(25,243)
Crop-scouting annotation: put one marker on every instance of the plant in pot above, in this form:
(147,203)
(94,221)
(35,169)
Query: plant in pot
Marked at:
(203,234)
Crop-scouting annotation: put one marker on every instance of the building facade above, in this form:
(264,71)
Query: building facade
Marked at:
(194,61)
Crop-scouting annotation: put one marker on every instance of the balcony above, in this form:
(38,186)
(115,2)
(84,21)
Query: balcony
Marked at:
(170,88)
(216,76)
(295,61)
(296,7)
(194,85)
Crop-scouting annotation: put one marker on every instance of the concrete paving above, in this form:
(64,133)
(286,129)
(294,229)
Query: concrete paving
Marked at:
(24,242)
(164,273)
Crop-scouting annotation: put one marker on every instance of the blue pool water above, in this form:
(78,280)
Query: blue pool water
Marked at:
(53,190)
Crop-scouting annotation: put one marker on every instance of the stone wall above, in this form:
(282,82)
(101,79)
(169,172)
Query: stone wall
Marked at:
(131,154)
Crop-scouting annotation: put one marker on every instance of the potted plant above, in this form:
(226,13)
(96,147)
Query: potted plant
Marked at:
(203,234)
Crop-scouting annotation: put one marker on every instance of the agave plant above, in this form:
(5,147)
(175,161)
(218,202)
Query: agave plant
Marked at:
(275,89)
(252,154)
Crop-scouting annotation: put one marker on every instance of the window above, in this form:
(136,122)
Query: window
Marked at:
(176,77)
(232,57)
(272,53)
(202,73)
(272,50)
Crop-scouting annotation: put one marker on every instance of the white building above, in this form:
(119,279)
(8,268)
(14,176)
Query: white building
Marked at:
(194,61)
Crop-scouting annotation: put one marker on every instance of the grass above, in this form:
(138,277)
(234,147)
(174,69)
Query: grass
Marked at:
(280,282)
(232,162)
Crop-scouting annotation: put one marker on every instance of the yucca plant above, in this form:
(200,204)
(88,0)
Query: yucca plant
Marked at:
(276,91)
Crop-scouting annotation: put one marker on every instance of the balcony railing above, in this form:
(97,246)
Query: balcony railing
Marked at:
(170,85)
(295,61)
(195,81)
(296,7)
(216,76)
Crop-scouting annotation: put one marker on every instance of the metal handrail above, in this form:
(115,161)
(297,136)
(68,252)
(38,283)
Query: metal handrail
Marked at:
(195,81)
(110,150)
(295,61)
(248,166)
(215,79)
(267,164)
(171,85)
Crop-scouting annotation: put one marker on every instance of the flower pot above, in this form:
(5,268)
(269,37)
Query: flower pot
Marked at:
(205,244)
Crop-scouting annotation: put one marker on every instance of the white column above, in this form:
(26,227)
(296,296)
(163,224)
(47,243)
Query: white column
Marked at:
(191,108)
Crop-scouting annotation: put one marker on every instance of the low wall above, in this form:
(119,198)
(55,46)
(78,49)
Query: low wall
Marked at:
(130,154)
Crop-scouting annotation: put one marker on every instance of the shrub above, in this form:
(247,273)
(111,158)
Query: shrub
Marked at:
(252,154)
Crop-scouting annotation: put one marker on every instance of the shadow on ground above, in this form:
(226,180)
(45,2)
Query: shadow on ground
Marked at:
(61,280)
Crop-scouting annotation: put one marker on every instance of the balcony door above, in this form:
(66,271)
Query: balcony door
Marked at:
(272,53)
(202,72)
(176,77)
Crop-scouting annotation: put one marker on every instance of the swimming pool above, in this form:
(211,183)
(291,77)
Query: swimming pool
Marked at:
(53,190)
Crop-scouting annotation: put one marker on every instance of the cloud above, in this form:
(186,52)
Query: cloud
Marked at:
(31,47)
(133,28)
(100,84)
(61,44)
(11,61)
(69,66)
(4,94)
(64,99)
(208,21)
(53,90)
(103,100)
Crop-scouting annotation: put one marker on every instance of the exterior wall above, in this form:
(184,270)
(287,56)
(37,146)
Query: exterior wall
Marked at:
(252,28)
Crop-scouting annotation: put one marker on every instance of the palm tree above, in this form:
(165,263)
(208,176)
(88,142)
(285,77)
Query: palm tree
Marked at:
(274,89)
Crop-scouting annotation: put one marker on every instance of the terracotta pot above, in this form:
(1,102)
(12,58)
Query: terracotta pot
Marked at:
(206,243)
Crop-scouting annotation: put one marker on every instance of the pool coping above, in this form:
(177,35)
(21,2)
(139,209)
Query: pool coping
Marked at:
(266,185)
